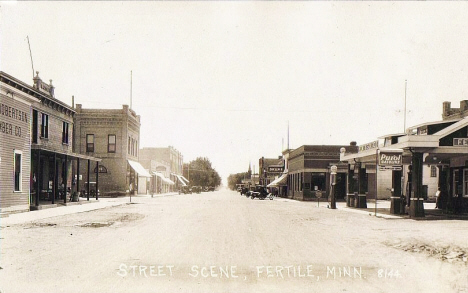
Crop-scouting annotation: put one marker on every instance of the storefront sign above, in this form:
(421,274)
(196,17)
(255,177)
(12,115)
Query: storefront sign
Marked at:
(369,146)
(390,159)
(275,169)
(460,142)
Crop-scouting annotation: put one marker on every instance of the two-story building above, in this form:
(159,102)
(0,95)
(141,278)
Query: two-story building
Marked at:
(43,125)
(113,135)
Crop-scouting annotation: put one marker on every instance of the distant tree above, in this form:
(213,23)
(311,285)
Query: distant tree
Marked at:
(200,173)
(237,178)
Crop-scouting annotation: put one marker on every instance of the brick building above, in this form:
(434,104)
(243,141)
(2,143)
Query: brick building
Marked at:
(269,169)
(113,135)
(309,171)
(167,161)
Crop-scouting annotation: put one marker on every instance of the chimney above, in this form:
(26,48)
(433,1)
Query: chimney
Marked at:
(446,106)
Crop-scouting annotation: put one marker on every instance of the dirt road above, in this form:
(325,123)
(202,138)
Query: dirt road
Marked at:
(222,242)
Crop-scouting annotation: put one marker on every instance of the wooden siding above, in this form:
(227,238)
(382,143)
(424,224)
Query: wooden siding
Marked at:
(11,141)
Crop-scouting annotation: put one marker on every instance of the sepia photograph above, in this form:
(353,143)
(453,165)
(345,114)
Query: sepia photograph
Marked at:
(234,146)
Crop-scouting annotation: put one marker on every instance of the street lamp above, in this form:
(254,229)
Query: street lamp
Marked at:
(333,170)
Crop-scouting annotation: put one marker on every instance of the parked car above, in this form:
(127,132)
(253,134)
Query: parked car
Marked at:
(260,192)
(185,190)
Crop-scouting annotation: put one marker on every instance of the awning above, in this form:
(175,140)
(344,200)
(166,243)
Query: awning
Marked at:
(282,180)
(186,181)
(164,179)
(139,169)
(181,180)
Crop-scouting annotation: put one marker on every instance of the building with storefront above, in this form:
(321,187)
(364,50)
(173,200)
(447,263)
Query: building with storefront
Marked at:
(160,170)
(15,144)
(46,130)
(434,150)
(174,170)
(309,172)
(269,169)
(112,135)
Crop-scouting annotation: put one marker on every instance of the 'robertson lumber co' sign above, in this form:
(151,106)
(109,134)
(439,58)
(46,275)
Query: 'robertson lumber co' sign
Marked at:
(390,159)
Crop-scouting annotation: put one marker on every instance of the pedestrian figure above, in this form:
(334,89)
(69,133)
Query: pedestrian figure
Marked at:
(437,198)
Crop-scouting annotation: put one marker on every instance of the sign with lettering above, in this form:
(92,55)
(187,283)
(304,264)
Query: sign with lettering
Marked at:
(390,159)
(15,120)
(369,146)
(460,142)
(275,169)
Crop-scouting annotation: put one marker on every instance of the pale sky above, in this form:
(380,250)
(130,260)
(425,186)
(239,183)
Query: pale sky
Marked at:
(222,79)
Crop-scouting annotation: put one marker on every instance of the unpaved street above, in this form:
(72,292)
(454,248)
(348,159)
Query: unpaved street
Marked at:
(223,242)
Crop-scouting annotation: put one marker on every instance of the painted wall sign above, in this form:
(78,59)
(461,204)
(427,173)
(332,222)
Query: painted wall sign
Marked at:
(390,159)
(14,117)
(369,146)
(460,142)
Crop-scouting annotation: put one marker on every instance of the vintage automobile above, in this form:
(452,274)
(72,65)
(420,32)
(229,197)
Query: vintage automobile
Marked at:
(211,188)
(260,192)
(185,190)
(196,189)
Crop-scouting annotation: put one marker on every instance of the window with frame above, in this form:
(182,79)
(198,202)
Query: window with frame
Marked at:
(90,143)
(65,127)
(44,126)
(17,166)
(128,150)
(111,143)
(433,171)
(35,128)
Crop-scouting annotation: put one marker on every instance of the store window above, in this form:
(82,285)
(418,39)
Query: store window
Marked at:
(17,164)
(65,127)
(90,143)
(465,183)
(45,126)
(111,143)
(318,181)
(433,171)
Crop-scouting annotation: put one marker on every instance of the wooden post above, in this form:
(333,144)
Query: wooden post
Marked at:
(54,187)
(97,179)
(88,177)
(65,180)
(38,178)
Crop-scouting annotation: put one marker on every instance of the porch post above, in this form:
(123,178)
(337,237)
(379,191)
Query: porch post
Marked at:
(88,176)
(417,202)
(56,175)
(38,178)
(78,177)
(97,179)
(65,180)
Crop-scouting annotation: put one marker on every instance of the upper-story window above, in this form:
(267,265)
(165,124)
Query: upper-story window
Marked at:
(129,140)
(90,143)
(65,127)
(35,128)
(136,148)
(111,143)
(45,126)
